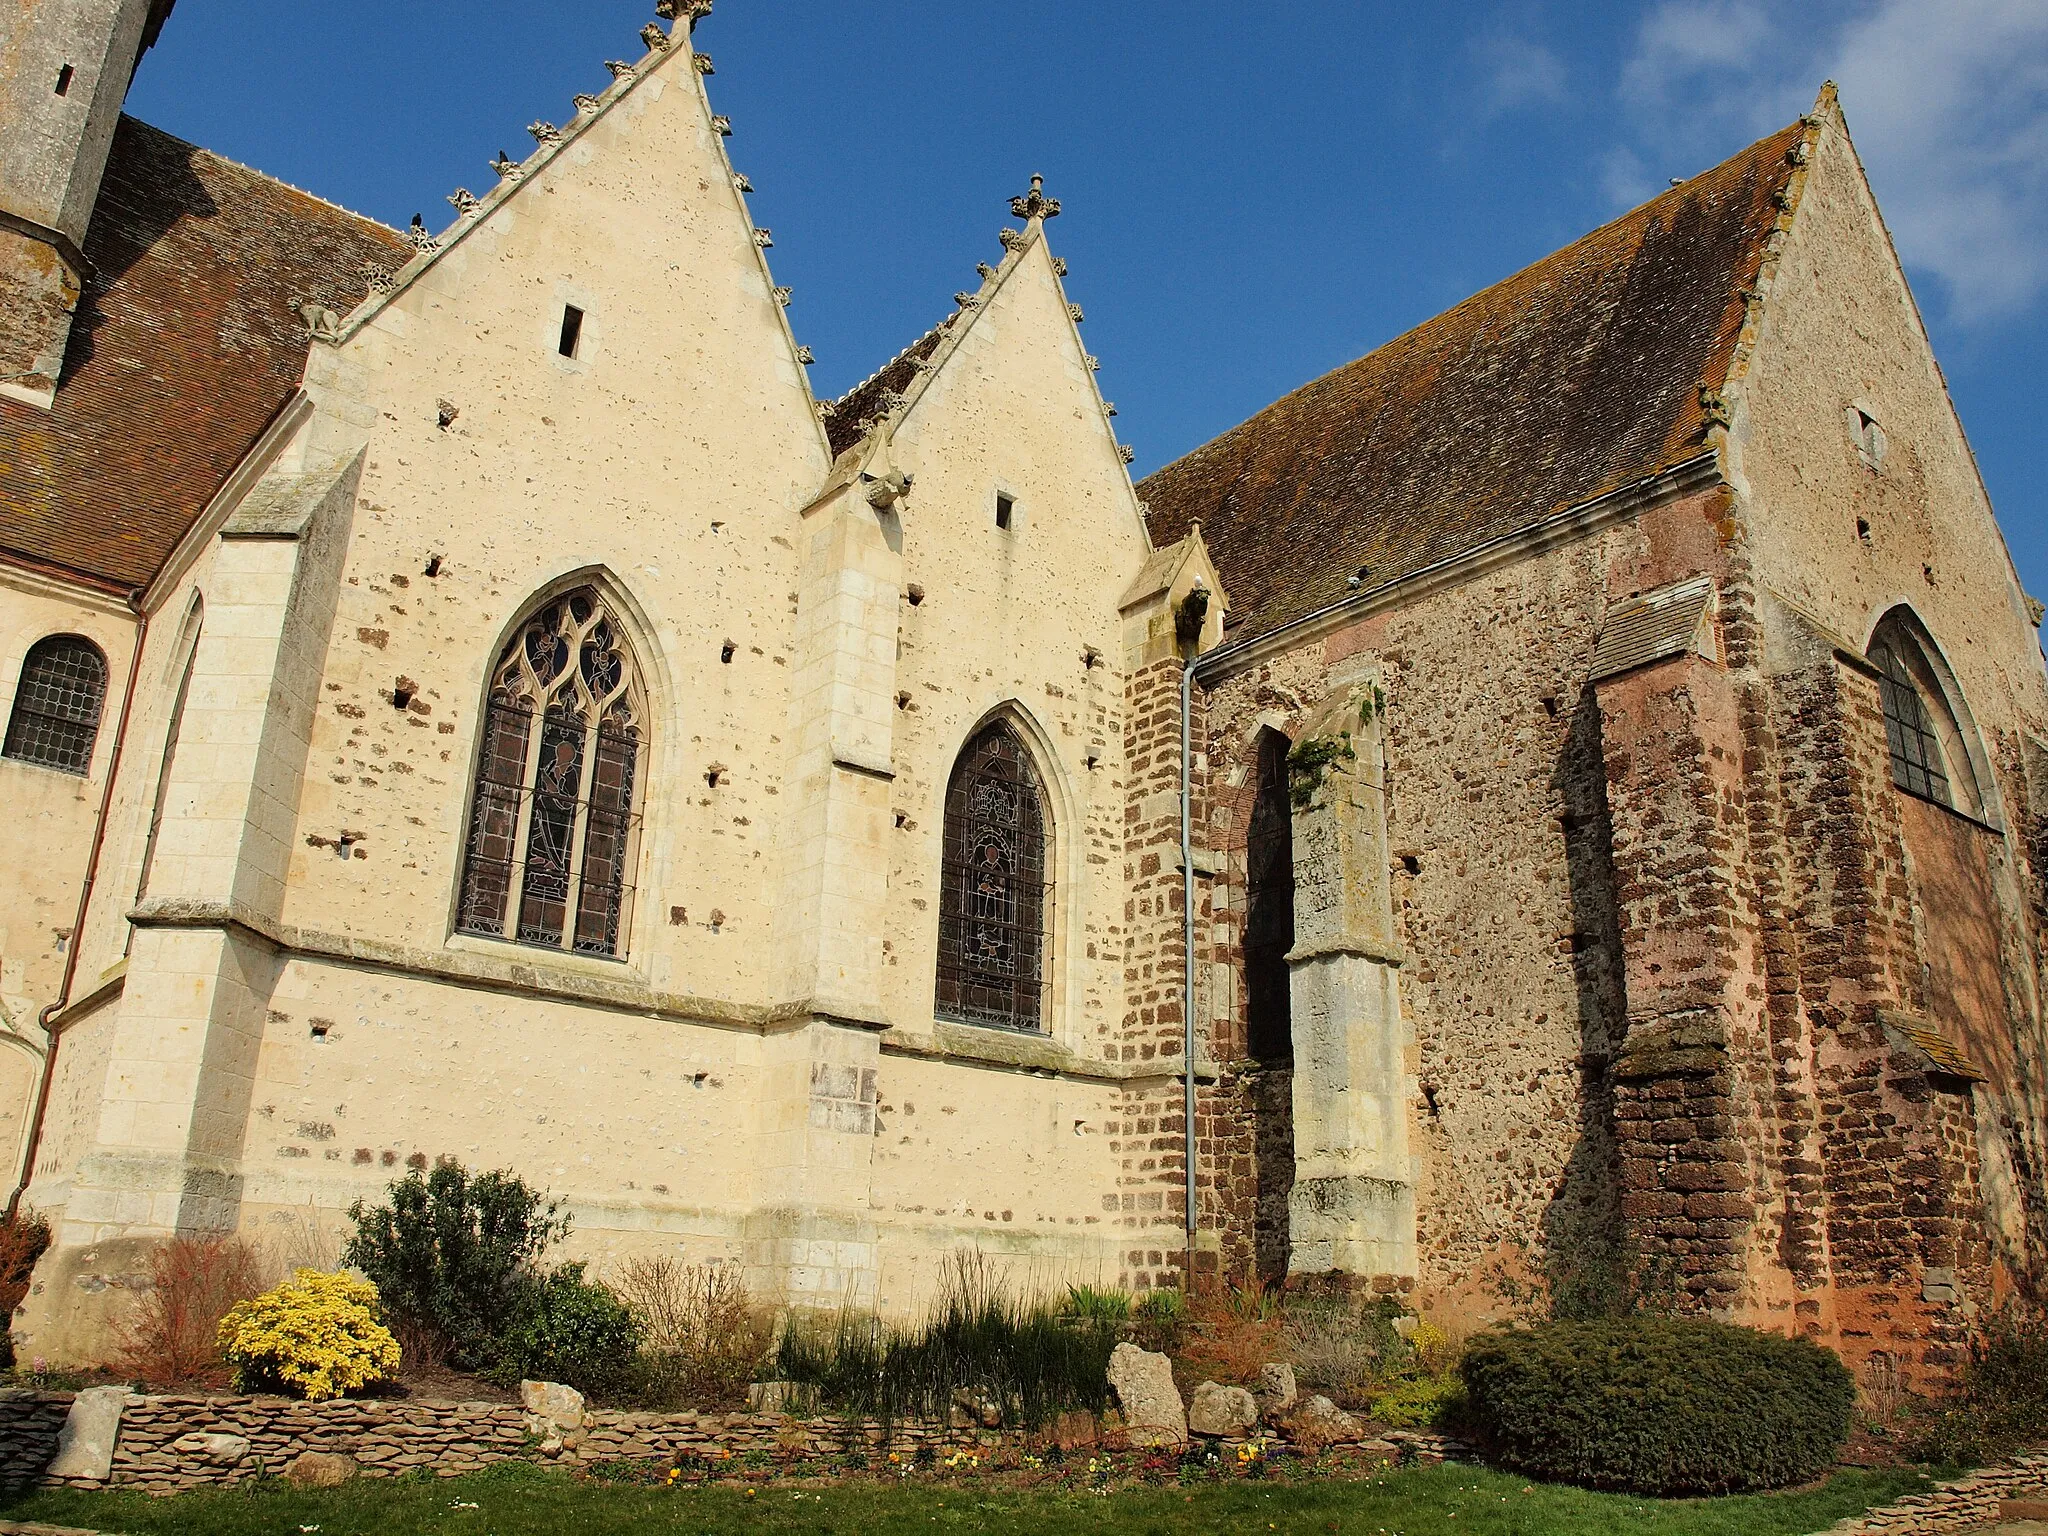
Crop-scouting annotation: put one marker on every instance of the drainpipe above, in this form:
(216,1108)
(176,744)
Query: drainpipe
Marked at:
(1187,627)
(92,869)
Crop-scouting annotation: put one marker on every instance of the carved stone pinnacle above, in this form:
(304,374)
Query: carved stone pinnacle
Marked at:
(803,355)
(670,10)
(966,301)
(1011,238)
(782,296)
(620,69)
(1126,452)
(984,271)
(464,201)
(586,103)
(1059,266)
(740,183)
(507,168)
(763,238)
(655,39)
(722,126)
(1075,311)
(703,63)
(544,133)
(1035,204)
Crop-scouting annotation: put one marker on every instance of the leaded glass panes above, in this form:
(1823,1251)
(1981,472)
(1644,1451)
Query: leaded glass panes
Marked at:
(994,897)
(57,706)
(1917,763)
(553,827)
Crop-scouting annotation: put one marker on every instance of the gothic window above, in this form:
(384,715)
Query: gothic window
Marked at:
(1929,753)
(553,830)
(57,707)
(1269,907)
(992,905)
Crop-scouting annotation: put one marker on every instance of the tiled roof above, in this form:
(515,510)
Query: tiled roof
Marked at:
(1574,377)
(185,347)
(846,423)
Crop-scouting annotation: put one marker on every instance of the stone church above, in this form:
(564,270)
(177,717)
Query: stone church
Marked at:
(1568,788)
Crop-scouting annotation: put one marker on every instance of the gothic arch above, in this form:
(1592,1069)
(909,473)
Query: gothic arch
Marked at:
(1936,750)
(552,836)
(1004,892)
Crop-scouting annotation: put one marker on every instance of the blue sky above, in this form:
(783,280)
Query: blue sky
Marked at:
(1254,193)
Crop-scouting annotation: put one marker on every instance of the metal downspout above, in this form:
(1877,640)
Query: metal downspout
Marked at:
(92,869)
(1187,886)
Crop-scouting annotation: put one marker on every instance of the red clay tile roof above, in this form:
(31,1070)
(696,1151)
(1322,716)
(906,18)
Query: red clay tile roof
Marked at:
(848,420)
(1572,378)
(184,349)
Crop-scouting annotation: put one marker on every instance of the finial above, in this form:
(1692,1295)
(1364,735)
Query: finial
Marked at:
(1011,238)
(740,183)
(507,168)
(655,39)
(1035,204)
(1059,266)
(544,134)
(586,103)
(763,238)
(966,300)
(620,69)
(721,125)
(804,356)
(421,240)
(703,63)
(1074,310)
(464,201)
(671,10)
(782,295)
(984,271)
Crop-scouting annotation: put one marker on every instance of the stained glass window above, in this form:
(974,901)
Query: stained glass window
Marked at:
(992,909)
(553,829)
(56,715)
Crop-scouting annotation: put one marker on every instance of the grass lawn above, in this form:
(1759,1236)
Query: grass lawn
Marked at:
(513,1500)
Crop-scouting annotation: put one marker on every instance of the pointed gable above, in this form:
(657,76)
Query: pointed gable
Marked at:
(1574,377)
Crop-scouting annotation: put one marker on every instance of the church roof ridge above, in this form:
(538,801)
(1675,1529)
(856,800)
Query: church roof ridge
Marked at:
(1590,369)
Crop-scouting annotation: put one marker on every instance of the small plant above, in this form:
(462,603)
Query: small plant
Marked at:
(1667,1406)
(316,1336)
(453,1257)
(704,1337)
(1087,1304)
(1229,1335)
(1308,761)
(174,1334)
(1344,1350)
(569,1330)
(1427,1402)
(1159,1319)
(1999,1401)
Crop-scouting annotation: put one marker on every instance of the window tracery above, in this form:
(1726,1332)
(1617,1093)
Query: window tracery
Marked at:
(993,904)
(1930,756)
(553,826)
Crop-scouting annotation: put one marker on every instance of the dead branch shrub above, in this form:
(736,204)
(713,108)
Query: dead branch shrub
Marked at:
(174,1336)
(704,1337)
(1229,1336)
(1344,1350)
(22,1242)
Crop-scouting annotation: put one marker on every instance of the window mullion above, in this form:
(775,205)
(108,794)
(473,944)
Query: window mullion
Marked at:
(515,884)
(580,832)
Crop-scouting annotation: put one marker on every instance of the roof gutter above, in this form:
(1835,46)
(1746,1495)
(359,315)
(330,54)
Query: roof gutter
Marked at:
(47,1018)
(1631,500)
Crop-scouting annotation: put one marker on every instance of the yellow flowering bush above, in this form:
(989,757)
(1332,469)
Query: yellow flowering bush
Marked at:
(318,1335)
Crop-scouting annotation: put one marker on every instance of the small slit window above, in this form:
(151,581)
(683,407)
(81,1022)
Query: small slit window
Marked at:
(994,897)
(572,330)
(1006,507)
(64,81)
(56,715)
(1868,436)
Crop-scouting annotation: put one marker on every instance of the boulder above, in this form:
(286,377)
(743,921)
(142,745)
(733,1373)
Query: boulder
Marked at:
(1143,1383)
(322,1469)
(1315,1422)
(1275,1388)
(85,1445)
(975,1410)
(220,1450)
(551,1408)
(1222,1412)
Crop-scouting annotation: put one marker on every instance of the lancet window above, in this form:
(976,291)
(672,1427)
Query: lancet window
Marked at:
(1923,729)
(995,897)
(553,828)
(1269,906)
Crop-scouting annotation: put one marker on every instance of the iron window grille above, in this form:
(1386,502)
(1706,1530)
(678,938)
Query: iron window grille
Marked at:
(1917,764)
(992,910)
(56,715)
(553,830)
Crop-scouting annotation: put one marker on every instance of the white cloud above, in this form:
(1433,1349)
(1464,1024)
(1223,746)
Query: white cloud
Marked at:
(1518,73)
(1948,103)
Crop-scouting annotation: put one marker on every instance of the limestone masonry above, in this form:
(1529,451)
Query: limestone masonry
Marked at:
(1577,776)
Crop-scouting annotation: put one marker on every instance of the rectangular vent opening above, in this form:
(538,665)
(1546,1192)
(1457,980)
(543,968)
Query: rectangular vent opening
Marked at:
(572,329)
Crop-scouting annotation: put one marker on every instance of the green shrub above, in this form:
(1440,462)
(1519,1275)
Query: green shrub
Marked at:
(1427,1402)
(1086,1303)
(1657,1405)
(1159,1319)
(979,1339)
(1999,1402)
(570,1330)
(453,1258)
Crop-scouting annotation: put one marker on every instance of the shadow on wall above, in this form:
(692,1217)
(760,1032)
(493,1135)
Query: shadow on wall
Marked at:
(1582,1233)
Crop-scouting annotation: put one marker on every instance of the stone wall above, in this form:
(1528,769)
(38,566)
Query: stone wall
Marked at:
(2017,1490)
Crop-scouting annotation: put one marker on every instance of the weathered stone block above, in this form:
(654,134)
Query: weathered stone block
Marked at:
(1151,1405)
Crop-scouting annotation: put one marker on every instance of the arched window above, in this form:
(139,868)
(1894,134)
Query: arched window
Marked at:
(992,907)
(57,707)
(1269,907)
(1930,755)
(553,830)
